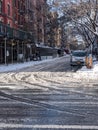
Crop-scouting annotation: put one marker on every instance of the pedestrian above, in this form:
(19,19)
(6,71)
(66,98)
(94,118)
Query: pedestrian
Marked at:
(59,52)
(38,56)
(7,56)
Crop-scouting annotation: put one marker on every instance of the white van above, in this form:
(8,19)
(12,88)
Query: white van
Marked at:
(78,57)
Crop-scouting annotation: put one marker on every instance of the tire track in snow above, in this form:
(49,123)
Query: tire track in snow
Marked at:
(44,105)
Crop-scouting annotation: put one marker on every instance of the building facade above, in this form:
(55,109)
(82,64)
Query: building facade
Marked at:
(13,37)
(6,15)
(53,30)
(40,21)
(23,24)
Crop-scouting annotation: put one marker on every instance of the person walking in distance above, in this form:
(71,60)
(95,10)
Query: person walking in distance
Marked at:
(38,56)
(7,56)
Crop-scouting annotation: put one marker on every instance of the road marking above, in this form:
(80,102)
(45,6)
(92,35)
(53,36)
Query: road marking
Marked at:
(71,102)
(81,127)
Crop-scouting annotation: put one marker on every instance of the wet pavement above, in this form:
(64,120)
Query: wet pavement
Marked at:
(28,109)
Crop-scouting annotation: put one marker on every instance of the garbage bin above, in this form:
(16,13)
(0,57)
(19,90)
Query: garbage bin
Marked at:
(86,61)
(89,61)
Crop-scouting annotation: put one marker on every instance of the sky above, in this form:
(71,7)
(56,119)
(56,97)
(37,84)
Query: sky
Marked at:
(60,2)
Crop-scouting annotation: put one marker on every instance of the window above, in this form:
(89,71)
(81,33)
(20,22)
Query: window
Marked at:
(79,54)
(8,24)
(8,7)
(19,19)
(18,4)
(15,16)
(0,6)
(15,3)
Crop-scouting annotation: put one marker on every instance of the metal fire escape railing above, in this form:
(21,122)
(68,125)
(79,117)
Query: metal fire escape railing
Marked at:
(8,32)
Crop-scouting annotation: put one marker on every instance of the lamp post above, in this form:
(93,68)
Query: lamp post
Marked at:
(12,45)
(5,48)
(5,39)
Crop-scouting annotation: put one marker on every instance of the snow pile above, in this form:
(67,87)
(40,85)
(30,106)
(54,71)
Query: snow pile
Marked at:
(17,66)
(86,73)
(95,68)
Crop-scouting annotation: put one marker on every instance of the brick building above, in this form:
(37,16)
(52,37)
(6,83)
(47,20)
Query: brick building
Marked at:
(6,18)
(23,23)
(6,15)
(53,30)
(18,14)
(13,38)
(36,16)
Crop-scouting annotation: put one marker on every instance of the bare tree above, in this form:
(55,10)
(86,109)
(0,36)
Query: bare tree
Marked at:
(83,15)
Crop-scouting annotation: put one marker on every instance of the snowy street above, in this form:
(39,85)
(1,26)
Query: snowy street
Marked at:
(47,95)
(48,64)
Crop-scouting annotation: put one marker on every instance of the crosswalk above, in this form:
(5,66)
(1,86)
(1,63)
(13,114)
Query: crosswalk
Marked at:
(70,110)
(63,127)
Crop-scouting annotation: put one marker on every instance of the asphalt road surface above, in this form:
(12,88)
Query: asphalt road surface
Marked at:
(47,97)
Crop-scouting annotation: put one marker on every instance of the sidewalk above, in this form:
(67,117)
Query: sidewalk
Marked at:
(88,74)
(16,66)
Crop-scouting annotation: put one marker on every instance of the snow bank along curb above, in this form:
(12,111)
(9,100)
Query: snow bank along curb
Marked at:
(17,66)
(88,74)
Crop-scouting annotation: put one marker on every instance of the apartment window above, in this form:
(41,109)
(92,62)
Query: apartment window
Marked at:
(15,16)
(8,6)
(18,4)
(18,19)
(8,24)
(0,6)
(15,3)
(39,8)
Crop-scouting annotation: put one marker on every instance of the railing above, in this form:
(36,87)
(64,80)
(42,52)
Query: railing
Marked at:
(7,31)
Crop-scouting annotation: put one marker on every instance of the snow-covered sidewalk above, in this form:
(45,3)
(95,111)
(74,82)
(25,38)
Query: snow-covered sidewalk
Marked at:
(17,66)
(86,73)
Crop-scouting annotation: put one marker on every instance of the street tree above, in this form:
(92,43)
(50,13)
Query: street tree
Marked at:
(83,14)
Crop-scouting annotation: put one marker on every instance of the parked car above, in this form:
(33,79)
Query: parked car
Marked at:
(78,57)
(67,51)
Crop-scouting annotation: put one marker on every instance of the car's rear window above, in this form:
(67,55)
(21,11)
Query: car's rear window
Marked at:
(79,54)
